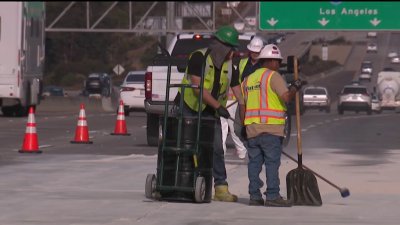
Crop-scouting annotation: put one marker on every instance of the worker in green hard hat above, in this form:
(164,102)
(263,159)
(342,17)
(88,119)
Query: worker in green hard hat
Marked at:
(215,64)
(228,35)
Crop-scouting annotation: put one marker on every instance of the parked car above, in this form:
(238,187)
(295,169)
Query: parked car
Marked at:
(132,91)
(97,84)
(52,90)
(366,67)
(372,47)
(316,97)
(354,97)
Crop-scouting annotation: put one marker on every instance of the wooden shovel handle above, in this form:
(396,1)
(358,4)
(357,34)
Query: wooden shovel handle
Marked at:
(296,76)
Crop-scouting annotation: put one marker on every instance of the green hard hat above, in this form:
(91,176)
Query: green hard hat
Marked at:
(228,35)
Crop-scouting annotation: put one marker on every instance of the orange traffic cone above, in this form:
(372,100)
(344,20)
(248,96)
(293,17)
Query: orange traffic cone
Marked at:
(120,125)
(82,131)
(30,144)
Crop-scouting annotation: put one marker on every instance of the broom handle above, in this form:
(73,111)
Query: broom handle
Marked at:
(299,150)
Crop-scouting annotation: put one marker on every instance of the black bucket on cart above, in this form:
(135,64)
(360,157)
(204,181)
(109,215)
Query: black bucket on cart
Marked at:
(185,176)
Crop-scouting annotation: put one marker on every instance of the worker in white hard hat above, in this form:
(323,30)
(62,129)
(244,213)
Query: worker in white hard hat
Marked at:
(265,93)
(246,66)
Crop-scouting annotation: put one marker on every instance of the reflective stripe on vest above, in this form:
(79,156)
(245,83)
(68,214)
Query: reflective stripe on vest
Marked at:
(191,99)
(263,106)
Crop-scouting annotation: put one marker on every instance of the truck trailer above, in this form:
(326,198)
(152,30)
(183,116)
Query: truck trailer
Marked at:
(22,54)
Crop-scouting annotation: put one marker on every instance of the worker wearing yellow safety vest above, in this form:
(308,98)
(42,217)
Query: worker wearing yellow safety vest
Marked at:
(215,64)
(263,113)
(246,66)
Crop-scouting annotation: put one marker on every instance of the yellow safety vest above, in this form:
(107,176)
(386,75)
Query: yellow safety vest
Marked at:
(191,99)
(263,105)
(242,65)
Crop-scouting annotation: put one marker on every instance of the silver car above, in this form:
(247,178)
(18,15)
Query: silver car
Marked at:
(354,98)
(372,47)
(316,97)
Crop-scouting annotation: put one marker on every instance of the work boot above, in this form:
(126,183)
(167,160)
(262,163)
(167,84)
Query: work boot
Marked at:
(256,202)
(222,194)
(279,202)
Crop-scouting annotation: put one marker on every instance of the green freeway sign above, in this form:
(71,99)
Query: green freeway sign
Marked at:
(329,15)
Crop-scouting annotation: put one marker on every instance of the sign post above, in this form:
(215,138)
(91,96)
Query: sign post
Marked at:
(329,15)
(324,52)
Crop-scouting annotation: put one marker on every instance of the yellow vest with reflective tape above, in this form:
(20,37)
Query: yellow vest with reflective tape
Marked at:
(242,65)
(191,99)
(263,105)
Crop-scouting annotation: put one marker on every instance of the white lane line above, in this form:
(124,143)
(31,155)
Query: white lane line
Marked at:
(40,147)
(310,126)
(45,146)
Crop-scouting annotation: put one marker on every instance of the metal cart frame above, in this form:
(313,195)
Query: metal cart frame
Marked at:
(155,187)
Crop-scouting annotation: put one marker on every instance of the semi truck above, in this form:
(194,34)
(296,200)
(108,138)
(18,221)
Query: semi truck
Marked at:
(388,89)
(22,53)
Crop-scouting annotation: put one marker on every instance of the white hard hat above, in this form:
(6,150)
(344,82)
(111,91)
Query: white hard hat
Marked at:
(256,44)
(270,51)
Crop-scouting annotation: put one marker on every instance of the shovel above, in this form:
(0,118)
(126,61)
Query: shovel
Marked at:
(302,186)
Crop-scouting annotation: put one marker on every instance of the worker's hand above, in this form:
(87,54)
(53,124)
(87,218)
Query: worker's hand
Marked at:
(243,133)
(222,111)
(297,84)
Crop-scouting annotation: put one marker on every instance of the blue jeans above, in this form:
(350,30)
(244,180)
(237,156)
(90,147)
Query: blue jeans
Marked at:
(264,149)
(219,170)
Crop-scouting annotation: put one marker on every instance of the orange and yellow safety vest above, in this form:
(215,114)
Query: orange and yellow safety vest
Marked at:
(263,105)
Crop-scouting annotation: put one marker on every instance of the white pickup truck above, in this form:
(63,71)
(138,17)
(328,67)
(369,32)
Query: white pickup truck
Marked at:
(181,46)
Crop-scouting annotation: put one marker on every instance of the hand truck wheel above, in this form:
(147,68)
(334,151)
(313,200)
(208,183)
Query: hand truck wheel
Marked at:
(200,189)
(150,185)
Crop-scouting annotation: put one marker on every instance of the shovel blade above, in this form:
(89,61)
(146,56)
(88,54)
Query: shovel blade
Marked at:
(302,188)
